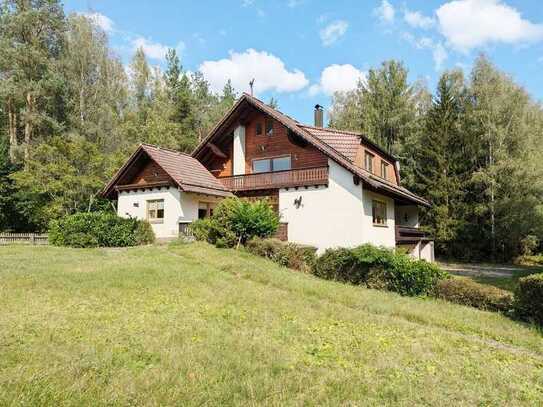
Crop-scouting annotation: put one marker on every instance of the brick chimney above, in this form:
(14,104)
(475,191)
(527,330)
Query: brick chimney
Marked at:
(319,116)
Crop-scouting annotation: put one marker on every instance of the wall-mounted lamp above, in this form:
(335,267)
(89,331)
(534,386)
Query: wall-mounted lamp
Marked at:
(298,202)
(136,204)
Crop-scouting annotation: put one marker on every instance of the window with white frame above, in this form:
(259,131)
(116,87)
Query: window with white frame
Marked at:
(155,211)
(379,213)
(272,164)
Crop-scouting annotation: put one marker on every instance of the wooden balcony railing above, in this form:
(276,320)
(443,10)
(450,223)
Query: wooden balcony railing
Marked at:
(407,234)
(279,179)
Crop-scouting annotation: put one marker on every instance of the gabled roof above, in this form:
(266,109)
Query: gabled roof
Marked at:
(186,172)
(335,144)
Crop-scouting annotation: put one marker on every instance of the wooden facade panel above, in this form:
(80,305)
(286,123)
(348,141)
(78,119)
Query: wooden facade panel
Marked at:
(377,159)
(276,145)
(150,173)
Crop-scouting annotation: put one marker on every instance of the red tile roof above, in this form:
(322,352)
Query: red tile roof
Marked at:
(336,144)
(187,172)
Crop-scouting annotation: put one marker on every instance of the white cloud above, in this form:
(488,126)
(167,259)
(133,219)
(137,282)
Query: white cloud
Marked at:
(385,12)
(440,56)
(418,20)
(268,71)
(439,52)
(338,78)
(333,32)
(102,21)
(468,24)
(154,50)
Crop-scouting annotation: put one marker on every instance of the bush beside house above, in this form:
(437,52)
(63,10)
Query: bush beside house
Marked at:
(528,303)
(99,229)
(235,221)
(380,268)
(287,254)
(465,291)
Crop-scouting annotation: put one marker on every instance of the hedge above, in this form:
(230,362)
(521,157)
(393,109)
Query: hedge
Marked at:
(465,291)
(291,255)
(528,303)
(381,268)
(99,229)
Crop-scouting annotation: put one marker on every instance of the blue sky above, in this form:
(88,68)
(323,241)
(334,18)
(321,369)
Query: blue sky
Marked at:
(301,51)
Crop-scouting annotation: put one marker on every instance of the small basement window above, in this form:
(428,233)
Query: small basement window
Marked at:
(368,161)
(379,213)
(155,211)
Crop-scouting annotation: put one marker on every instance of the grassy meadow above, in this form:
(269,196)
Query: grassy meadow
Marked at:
(188,324)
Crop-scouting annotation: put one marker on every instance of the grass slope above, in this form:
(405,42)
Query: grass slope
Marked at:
(191,324)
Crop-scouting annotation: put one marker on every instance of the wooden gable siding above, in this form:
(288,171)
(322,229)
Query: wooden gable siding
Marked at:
(148,174)
(377,159)
(264,146)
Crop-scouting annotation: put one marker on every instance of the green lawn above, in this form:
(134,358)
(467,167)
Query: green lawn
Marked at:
(194,325)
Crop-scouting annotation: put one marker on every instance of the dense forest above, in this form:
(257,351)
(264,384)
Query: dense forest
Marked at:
(71,113)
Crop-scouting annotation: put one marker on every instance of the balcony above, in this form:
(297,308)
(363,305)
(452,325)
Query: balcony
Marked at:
(279,179)
(409,235)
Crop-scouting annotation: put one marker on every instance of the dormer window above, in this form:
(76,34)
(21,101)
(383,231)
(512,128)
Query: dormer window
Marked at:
(259,129)
(368,161)
(269,127)
(384,170)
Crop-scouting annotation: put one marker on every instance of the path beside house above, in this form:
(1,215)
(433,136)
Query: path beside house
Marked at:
(503,276)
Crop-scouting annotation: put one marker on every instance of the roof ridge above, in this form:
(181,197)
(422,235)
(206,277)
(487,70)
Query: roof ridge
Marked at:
(165,148)
(332,129)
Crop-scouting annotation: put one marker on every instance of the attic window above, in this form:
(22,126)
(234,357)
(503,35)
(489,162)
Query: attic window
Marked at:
(259,129)
(384,170)
(368,161)
(269,127)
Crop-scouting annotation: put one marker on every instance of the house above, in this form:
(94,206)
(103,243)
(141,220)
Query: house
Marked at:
(331,188)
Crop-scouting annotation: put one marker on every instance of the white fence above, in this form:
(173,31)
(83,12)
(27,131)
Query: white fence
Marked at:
(28,238)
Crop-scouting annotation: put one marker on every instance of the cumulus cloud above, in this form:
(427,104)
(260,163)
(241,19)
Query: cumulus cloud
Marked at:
(439,52)
(154,50)
(102,21)
(385,12)
(268,70)
(418,20)
(333,32)
(467,24)
(338,78)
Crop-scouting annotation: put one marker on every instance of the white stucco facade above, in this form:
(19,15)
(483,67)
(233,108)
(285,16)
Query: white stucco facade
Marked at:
(339,215)
(179,207)
(238,155)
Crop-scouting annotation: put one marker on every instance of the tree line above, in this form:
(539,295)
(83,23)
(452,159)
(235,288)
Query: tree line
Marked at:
(474,150)
(71,113)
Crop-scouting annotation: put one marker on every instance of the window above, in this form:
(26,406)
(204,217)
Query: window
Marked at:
(262,165)
(155,211)
(384,170)
(259,129)
(379,213)
(281,163)
(205,209)
(368,161)
(272,164)
(269,127)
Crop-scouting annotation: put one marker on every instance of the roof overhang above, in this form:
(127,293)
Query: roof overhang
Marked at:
(371,181)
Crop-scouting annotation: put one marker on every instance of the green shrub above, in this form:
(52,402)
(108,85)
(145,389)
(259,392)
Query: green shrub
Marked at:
(291,255)
(104,229)
(235,221)
(535,260)
(529,298)
(465,291)
(380,268)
